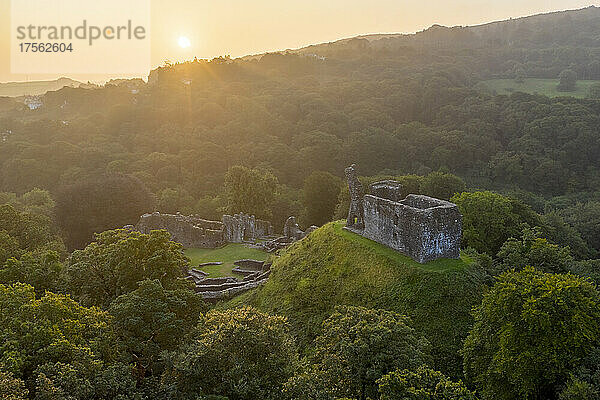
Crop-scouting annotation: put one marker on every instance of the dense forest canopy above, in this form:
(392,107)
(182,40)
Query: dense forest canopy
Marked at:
(393,104)
(406,104)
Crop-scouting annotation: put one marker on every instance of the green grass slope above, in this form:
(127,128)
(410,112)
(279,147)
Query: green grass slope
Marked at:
(333,266)
(227,255)
(546,87)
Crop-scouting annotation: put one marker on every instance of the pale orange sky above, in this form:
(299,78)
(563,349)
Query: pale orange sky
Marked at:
(241,27)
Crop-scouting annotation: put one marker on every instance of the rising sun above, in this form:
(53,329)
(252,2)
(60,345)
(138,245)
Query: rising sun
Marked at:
(184,42)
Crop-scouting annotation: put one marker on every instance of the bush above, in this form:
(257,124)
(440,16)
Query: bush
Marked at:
(489,219)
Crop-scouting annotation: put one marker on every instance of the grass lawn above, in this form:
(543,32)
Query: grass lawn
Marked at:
(441,265)
(227,255)
(546,87)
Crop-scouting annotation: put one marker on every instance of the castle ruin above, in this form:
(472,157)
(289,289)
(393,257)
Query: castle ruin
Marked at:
(421,227)
(195,232)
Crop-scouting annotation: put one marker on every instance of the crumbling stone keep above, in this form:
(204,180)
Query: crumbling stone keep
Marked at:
(421,227)
(291,234)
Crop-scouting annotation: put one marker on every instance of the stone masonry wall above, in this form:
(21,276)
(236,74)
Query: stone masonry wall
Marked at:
(195,232)
(239,228)
(421,227)
(191,231)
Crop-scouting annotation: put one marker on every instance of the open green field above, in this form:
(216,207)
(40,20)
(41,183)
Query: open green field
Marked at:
(546,87)
(227,255)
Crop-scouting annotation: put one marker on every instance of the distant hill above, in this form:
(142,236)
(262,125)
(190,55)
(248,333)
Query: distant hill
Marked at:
(538,46)
(333,266)
(562,28)
(34,88)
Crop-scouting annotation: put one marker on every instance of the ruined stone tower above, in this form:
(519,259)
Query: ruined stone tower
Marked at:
(356,211)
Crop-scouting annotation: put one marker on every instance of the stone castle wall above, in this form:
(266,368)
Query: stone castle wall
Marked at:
(195,232)
(421,227)
(240,228)
(190,231)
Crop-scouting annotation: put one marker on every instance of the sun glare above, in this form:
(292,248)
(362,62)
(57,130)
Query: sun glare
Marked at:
(184,42)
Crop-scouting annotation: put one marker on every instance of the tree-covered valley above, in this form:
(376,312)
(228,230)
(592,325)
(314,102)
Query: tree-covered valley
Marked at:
(91,311)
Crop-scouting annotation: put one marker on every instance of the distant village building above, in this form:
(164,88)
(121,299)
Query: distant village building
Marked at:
(33,102)
(4,135)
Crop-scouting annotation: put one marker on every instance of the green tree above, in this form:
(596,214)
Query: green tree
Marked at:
(40,270)
(594,91)
(52,333)
(558,231)
(358,346)
(587,268)
(239,353)
(150,320)
(29,232)
(585,218)
(12,388)
(567,81)
(422,384)
(60,381)
(288,202)
(578,390)
(38,201)
(584,382)
(442,185)
(489,219)
(10,198)
(173,200)
(118,260)
(9,247)
(95,204)
(251,191)
(530,332)
(533,250)
(320,195)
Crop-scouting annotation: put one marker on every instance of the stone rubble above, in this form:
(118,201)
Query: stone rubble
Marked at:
(255,274)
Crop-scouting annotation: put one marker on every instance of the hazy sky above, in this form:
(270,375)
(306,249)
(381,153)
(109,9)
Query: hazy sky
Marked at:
(241,27)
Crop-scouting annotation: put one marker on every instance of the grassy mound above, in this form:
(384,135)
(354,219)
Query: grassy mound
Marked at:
(227,255)
(333,266)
